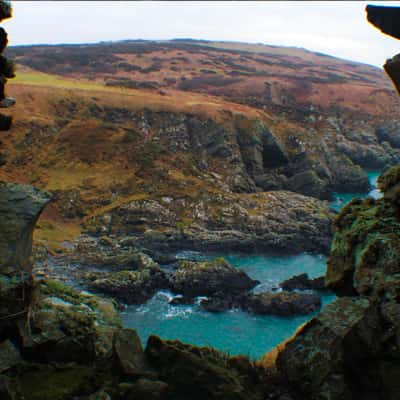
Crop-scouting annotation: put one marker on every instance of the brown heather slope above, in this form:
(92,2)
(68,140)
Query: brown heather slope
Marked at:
(175,140)
(258,75)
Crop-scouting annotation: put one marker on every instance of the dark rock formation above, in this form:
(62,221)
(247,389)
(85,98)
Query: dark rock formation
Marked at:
(303,282)
(207,278)
(131,287)
(277,221)
(350,350)
(7,67)
(109,254)
(214,376)
(282,303)
(385,18)
(20,207)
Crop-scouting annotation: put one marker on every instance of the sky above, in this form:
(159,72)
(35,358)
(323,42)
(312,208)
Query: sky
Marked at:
(338,28)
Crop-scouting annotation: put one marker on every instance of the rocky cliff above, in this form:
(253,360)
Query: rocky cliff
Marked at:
(351,349)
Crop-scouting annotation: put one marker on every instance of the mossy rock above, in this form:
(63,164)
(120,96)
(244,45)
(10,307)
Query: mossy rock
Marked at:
(365,248)
(67,325)
(199,373)
(46,382)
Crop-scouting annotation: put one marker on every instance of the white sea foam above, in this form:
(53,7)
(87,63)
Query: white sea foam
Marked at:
(174,312)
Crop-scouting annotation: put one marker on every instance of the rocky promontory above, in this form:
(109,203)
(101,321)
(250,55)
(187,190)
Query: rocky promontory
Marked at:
(281,222)
(351,348)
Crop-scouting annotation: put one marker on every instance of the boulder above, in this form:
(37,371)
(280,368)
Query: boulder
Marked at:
(131,287)
(206,278)
(303,282)
(282,303)
(201,373)
(308,183)
(315,361)
(67,325)
(219,302)
(365,248)
(108,254)
(128,353)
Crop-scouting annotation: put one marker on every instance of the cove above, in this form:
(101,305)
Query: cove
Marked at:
(235,331)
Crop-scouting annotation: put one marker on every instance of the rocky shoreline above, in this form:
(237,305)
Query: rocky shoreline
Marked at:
(71,343)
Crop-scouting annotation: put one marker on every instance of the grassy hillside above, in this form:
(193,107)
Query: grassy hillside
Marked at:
(102,126)
(257,75)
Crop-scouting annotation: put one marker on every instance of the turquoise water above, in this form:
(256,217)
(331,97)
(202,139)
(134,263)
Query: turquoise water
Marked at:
(234,331)
(341,199)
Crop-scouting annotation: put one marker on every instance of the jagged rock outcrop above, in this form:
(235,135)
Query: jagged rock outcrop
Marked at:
(272,221)
(20,207)
(303,282)
(130,287)
(351,350)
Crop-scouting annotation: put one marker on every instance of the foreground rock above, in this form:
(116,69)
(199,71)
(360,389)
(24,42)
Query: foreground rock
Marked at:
(214,376)
(207,278)
(351,349)
(20,207)
(65,325)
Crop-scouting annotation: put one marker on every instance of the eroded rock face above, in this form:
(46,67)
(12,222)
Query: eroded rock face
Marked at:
(365,249)
(351,349)
(20,207)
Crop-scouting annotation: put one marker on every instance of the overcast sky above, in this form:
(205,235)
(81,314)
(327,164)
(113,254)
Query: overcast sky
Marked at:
(336,28)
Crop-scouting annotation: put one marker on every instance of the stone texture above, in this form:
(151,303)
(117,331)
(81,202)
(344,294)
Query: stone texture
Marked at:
(282,303)
(206,278)
(131,287)
(9,355)
(128,353)
(303,282)
(67,325)
(201,373)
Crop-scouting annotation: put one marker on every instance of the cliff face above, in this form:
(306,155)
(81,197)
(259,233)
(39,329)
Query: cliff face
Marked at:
(166,178)
(351,347)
